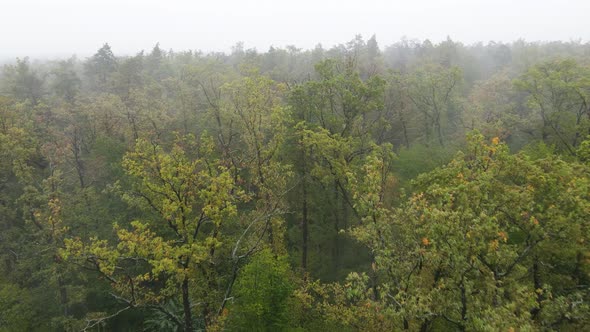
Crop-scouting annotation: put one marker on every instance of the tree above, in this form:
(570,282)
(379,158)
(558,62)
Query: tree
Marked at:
(156,65)
(15,308)
(489,233)
(433,90)
(66,82)
(337,115)
(172,255)
(129,75)
(100,66)
(33,227)
(558,95)
(372,48)
(253,108)
(399,110)
(23,82)
(263,294)
(494,108)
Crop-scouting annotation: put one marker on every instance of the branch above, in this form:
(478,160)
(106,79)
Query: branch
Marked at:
(90,323)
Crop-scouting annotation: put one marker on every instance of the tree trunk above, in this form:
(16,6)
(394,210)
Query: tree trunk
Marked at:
(63,293)
(538,286)
(186,304)
(304,220)
(404,128)
(439,130)
(336,242)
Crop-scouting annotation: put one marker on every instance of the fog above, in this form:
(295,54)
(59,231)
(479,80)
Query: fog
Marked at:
(40,28)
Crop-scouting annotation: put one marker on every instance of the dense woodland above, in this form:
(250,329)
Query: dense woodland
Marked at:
(417,186)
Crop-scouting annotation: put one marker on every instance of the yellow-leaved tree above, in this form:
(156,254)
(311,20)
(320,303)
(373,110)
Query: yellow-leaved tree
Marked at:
(173,255)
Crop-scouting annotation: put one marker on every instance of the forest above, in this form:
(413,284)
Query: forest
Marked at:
(416,186)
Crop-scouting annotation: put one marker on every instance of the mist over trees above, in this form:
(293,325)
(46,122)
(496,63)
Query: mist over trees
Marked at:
(413,186)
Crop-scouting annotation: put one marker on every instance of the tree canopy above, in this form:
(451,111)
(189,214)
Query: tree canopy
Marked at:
(417,186)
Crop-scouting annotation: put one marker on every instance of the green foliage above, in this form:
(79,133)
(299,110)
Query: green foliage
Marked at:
(346,306)
(263,295)
(100,66)
(23,82)
(539,150)
(158,321)
(418,159)
(494,108)
(345,100)
(433,90)
(156,262)
(66,82)
(584,150)
(558,95)
(297,190)
(482,235)
(16,308)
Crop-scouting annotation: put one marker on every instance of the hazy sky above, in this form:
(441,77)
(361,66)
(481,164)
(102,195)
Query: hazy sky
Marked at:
(63,27)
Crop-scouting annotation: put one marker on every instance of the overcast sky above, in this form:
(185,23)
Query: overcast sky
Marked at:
(63,27)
